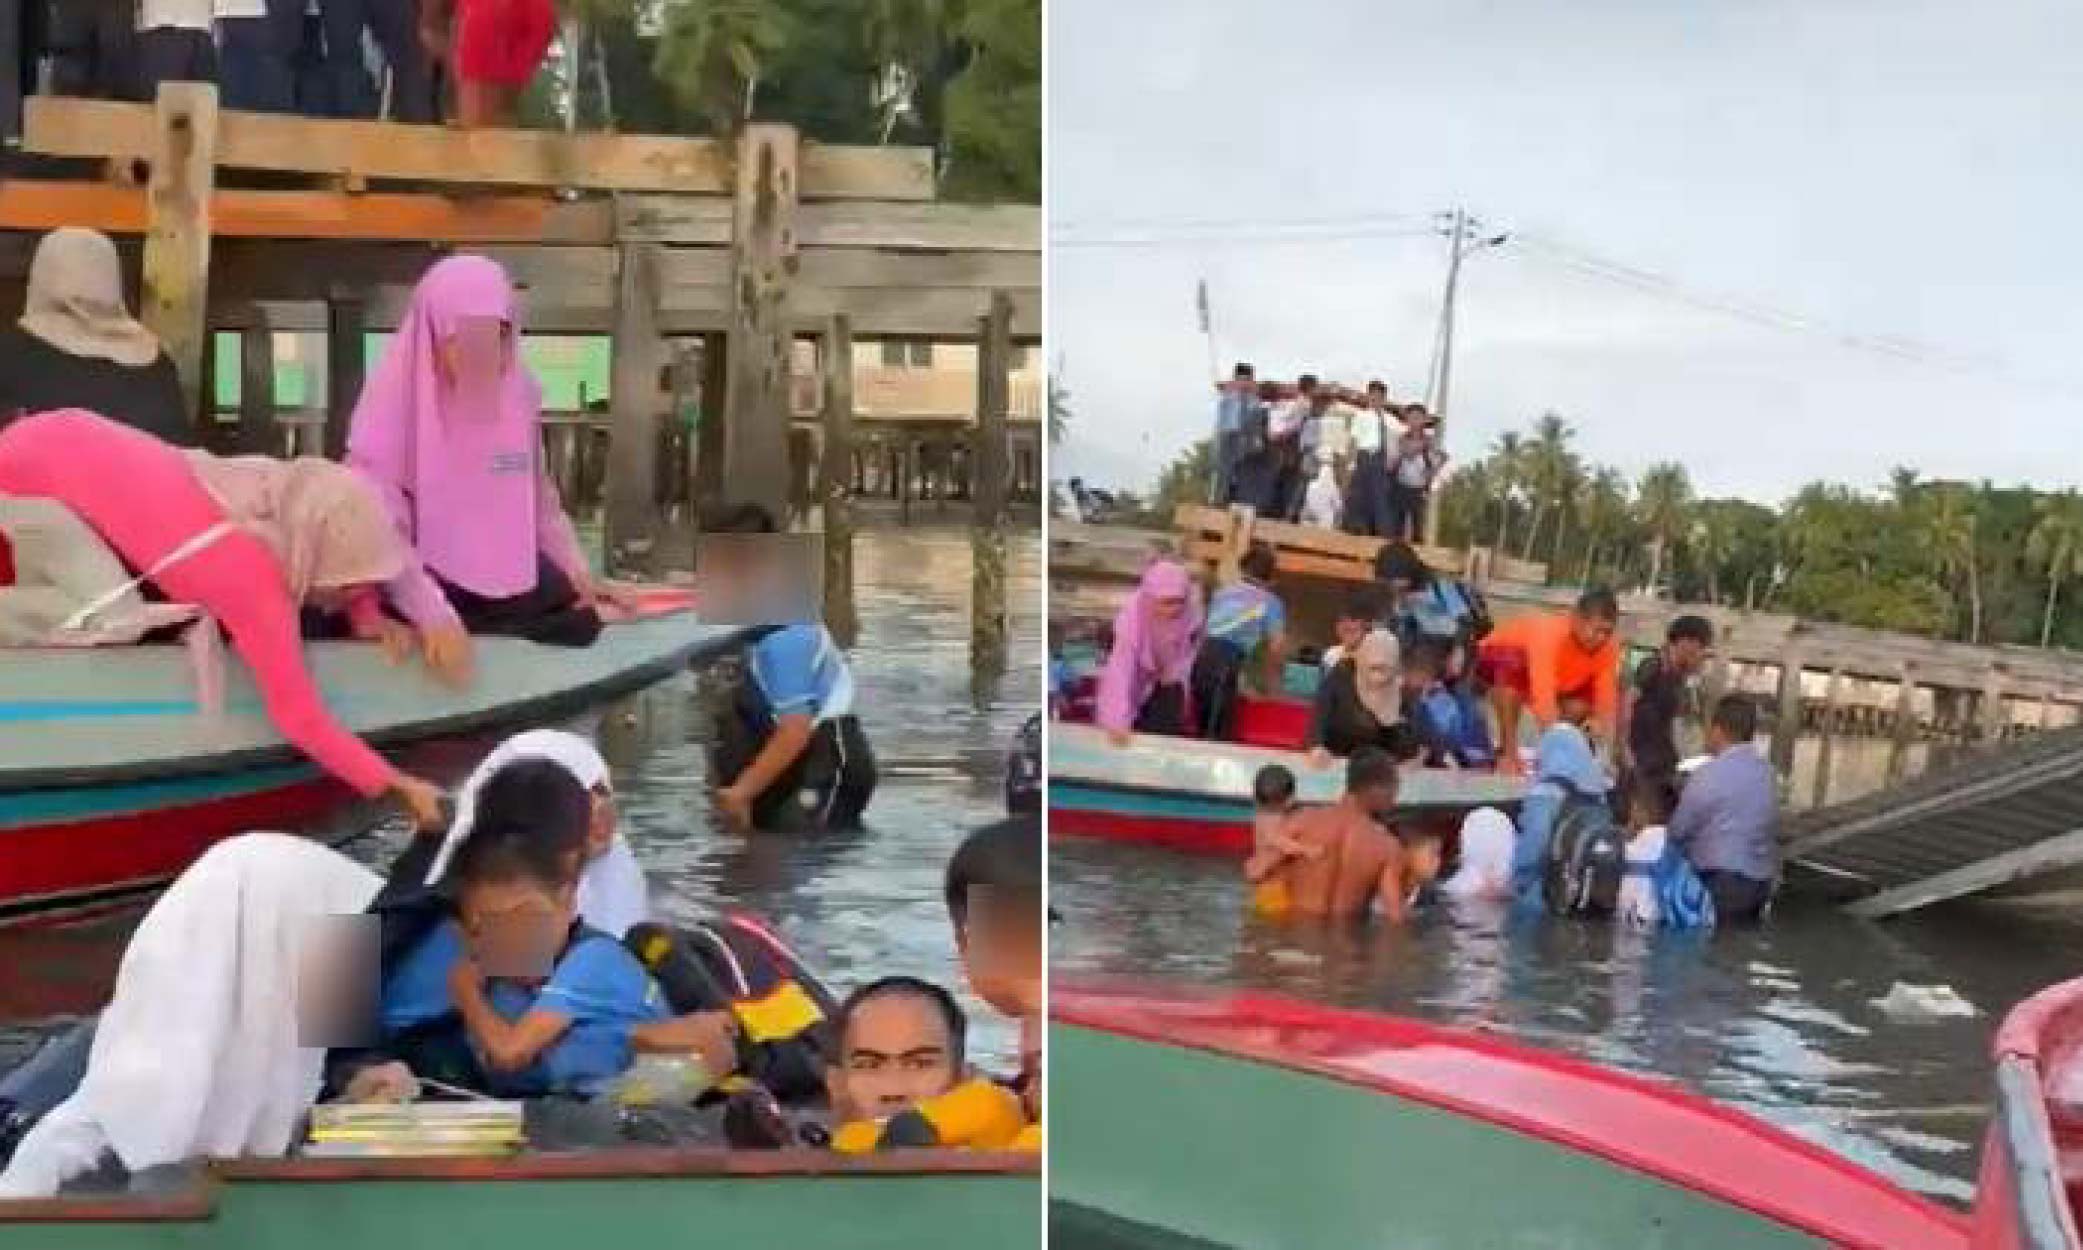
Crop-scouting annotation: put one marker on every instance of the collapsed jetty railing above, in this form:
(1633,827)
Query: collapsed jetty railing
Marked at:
(254,223)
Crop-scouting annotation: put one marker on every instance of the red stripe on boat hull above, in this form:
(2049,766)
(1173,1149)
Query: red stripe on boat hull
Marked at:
(1199,837)
(60,861)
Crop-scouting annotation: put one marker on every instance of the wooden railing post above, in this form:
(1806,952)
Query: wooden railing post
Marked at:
(763,262)
(987,472)
(177,239)
(637,355)
(835,474)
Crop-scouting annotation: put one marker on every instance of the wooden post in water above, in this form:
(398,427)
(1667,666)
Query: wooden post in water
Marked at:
(834,485)
(1905,723)
(1829,726)
(345,362)
(258,434)
(987,469)
(906,455)
(1787,729)
(762,332)
(177,234)
(1994,718)
(710,432)
(637,356)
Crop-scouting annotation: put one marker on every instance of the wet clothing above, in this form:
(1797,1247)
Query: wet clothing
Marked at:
(1737,898)
(1652,744)
(1728,818)
(1564,772)
(1023,769)
(798,670)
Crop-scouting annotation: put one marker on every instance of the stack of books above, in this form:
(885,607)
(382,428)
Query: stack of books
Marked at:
(416,1130)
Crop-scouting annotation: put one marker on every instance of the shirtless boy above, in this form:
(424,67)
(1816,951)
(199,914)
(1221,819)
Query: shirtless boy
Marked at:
(1341,857)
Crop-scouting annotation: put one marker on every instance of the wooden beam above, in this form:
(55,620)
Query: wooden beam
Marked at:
(257,433)
(2060,851)
(994,352)
(344,367)
(638,355)
(685,219)
(762,324)
(835,480)
(27,204)
(68,127)
(182,141)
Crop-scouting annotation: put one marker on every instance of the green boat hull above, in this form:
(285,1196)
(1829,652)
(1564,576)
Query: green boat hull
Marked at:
(987,1209)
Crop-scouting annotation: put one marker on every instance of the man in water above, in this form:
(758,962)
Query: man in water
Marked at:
(1727,822)
(1533,662)
(1650,710)
(1337,860)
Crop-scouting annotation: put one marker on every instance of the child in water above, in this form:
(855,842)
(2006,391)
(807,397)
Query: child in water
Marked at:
(993,890)
(1272,806)
(898,1079)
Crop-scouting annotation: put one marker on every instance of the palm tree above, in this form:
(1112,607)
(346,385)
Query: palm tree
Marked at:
(1660,504)
(1605,511)
(2056,548)
(1903,487)
(1950,530)
(712,55)
(1569,498)
(1059,410)
(1508,466)
(1548,462)
(1712,537)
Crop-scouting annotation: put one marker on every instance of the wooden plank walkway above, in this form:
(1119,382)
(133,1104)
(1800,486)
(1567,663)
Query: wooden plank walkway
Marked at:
(2002,816)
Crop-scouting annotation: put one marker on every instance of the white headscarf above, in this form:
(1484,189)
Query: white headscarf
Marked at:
(1320,503)
(613,895)
(197,1053)
(1487,840)
(75,300)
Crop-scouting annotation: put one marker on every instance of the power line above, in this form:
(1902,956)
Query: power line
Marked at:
(1271,236)
(1248,222)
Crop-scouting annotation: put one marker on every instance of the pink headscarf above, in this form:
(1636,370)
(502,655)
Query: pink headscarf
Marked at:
(457,463)
(322,521)
(1149,651)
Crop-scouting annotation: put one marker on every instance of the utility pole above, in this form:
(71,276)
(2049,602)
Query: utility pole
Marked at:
(1456,227)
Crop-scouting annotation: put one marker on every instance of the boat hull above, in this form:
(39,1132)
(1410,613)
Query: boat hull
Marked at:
(113,777)
(2030,1184)
(1193,796)
(621,1198)
(1246,1120)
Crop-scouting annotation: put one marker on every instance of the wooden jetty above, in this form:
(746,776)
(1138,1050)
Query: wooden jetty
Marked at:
(718,255)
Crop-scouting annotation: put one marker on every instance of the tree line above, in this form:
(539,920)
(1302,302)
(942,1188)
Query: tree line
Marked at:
(962,77)
(1968,561)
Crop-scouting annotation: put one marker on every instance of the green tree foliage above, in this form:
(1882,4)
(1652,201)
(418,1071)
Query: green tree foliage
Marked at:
(1184,481)
(1956,560)
(1059,411)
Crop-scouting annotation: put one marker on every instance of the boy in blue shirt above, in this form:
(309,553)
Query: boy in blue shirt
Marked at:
(1243,617)
(791,754)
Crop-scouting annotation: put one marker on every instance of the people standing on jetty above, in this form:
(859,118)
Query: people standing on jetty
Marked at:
(449,427)
(1653,700)
(1322,502)
(77,346)
(1284,439)
(246,539)
(790,753)
(1367,492)
(1145,685)
(1418,462)
(1235,410)
(493,49)
(1245,618)
(1727,822)
(1337,862)
(1359,704)
(1532,663)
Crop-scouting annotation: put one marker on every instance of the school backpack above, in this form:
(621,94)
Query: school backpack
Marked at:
(1587,857)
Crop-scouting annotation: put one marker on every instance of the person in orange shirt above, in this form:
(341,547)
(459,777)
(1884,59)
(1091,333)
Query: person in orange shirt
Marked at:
(1542,662)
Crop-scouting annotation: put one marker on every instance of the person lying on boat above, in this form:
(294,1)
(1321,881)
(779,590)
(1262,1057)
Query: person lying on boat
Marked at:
(899,1077)
(202,1050)
(515,994)
(449,427)
(1360,704)
(1727,820)
(77,346)
(993,889)
(1346,861)
(1565,773)
(789,754)
(246,540)
(1273,805)
(1245,619)
(1451,727)
(1530,662)
(1144,687)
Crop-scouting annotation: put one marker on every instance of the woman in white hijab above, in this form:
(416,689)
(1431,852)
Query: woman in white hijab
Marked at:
(613,896)
(1322,502)
(1487,839)
(77,346)
(199,1052)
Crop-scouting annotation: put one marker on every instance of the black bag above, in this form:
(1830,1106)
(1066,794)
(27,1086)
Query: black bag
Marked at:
(1587,857)
(1480,622)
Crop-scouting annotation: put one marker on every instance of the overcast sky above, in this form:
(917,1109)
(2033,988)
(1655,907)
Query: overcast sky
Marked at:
(1901,170)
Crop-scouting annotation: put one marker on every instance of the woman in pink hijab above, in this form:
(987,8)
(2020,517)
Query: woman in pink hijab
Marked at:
(248,540)
(449,429)
(1157,633)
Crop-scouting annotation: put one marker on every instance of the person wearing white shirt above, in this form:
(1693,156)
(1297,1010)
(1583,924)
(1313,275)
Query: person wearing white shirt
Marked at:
(1413,471)
(1367,493)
